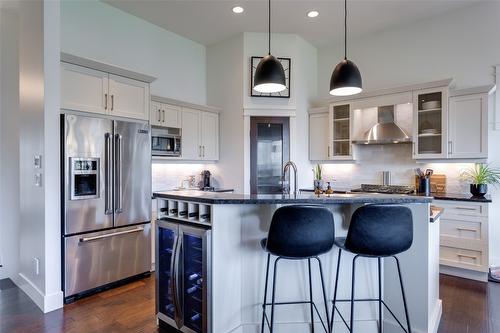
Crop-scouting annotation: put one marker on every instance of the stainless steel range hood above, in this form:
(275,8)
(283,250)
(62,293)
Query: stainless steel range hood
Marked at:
(386,131)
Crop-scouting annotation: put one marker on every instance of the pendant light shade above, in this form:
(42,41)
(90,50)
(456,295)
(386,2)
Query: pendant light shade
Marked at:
(346,78)
(269,75)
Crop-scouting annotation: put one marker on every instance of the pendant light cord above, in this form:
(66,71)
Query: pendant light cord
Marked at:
(345,29)
(269,28)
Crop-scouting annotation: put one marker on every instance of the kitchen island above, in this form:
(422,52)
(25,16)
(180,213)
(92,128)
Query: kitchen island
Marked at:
(235,265)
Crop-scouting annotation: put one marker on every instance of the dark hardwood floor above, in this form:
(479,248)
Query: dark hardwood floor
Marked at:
(468,307)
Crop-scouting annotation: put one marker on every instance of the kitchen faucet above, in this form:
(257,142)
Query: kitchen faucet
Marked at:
(286,187)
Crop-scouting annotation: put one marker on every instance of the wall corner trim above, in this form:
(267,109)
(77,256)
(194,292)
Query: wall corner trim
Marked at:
(46,302)
(496,113)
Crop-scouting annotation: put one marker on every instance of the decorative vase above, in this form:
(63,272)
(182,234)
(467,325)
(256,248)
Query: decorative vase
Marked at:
(318,183)
(478,190)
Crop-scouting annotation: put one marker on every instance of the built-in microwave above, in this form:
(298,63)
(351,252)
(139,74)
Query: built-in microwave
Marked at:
(166,141)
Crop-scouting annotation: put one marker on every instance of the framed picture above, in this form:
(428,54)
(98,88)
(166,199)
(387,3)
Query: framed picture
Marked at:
(286,63)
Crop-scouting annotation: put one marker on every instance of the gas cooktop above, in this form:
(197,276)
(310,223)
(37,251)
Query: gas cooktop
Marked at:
(389,189)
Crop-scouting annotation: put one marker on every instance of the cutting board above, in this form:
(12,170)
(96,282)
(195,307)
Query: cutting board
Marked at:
(438,183)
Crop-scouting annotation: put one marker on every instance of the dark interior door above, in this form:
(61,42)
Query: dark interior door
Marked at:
(269,150)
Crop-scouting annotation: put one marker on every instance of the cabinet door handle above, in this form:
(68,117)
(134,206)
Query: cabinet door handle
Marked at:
(203,151)
(159,115)
(105,101)
(328,151)
(199,151)
(450,146)
(163,112)
(112,102)
(414,151)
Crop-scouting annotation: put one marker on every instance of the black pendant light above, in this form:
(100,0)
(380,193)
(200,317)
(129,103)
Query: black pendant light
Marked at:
(269,75)
(346,78)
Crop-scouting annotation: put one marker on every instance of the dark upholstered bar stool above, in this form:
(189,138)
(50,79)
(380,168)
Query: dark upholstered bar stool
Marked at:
(376,231)
(298,233)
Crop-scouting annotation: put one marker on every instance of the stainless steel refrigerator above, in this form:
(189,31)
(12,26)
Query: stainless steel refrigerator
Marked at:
(106,171)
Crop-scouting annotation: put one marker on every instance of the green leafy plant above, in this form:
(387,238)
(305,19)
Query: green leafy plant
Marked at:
(481,173)
(317,171)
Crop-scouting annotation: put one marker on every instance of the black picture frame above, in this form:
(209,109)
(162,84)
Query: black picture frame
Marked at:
(254,60)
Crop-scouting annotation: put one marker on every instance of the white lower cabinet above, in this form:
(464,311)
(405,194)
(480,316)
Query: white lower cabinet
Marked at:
(464,236)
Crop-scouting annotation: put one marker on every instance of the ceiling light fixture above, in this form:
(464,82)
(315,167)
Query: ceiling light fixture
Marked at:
(238,9)
(346,78)
(312,13)
(269,75)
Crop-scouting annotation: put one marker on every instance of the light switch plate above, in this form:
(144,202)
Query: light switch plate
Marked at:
(37,161)
(38,179)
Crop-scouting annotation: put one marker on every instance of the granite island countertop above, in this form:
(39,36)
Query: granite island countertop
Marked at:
(303,198)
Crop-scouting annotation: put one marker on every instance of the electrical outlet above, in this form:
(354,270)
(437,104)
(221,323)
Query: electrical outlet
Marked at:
(38,179)
(36,266)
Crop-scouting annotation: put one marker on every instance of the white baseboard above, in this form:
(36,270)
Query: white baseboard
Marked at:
(46,303)
(464,273)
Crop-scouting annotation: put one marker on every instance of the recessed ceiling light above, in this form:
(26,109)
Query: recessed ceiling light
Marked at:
(312,13)
(238,9)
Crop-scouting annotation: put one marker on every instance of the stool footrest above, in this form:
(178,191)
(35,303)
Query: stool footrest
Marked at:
(294,303)
(367,300)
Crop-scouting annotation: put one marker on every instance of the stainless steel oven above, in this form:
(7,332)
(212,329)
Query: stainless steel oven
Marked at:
(166,141)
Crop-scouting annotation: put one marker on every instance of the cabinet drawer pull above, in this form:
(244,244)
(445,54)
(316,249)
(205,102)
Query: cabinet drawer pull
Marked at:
(465,208)
(466,229)
(467,256)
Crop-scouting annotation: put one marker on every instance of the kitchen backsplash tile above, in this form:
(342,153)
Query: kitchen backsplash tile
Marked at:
(372,160)
(169,175)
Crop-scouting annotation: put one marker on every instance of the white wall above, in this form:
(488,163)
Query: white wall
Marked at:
(39,89)
(462,45)
(9,141)
(225,68)
(93,29)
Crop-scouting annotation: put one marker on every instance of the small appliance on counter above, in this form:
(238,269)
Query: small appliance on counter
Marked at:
(205,180)
(423,181)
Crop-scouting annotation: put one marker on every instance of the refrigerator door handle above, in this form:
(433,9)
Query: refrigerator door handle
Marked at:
(175,286)
(118,174)
(108,177)
(89,239)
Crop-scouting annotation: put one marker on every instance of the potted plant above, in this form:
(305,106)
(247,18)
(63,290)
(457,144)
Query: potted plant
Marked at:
(318,176)
(479,177)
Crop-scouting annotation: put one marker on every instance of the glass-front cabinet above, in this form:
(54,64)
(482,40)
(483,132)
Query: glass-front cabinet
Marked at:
(340,147)
(430,123)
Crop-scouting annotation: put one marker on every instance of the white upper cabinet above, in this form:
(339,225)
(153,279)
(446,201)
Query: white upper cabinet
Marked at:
(340,131)
(156,117)
(430,123)
(89,90)
(166,115)
(468,126)
(190,145)
(84,89)
(129,98)
(319,136)
(209,136)
(200,135)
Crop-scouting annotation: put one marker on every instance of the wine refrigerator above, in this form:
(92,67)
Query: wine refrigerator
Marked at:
(183,276)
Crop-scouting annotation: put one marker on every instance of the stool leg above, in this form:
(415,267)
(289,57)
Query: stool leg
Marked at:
(335,289)
(379,295)
(324,294)
(352,292)
(403,293)
(265,293)
(275,275)
(311,295)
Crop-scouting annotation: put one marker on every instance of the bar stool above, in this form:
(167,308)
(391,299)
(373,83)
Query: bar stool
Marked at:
(375,231)
(298,233)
